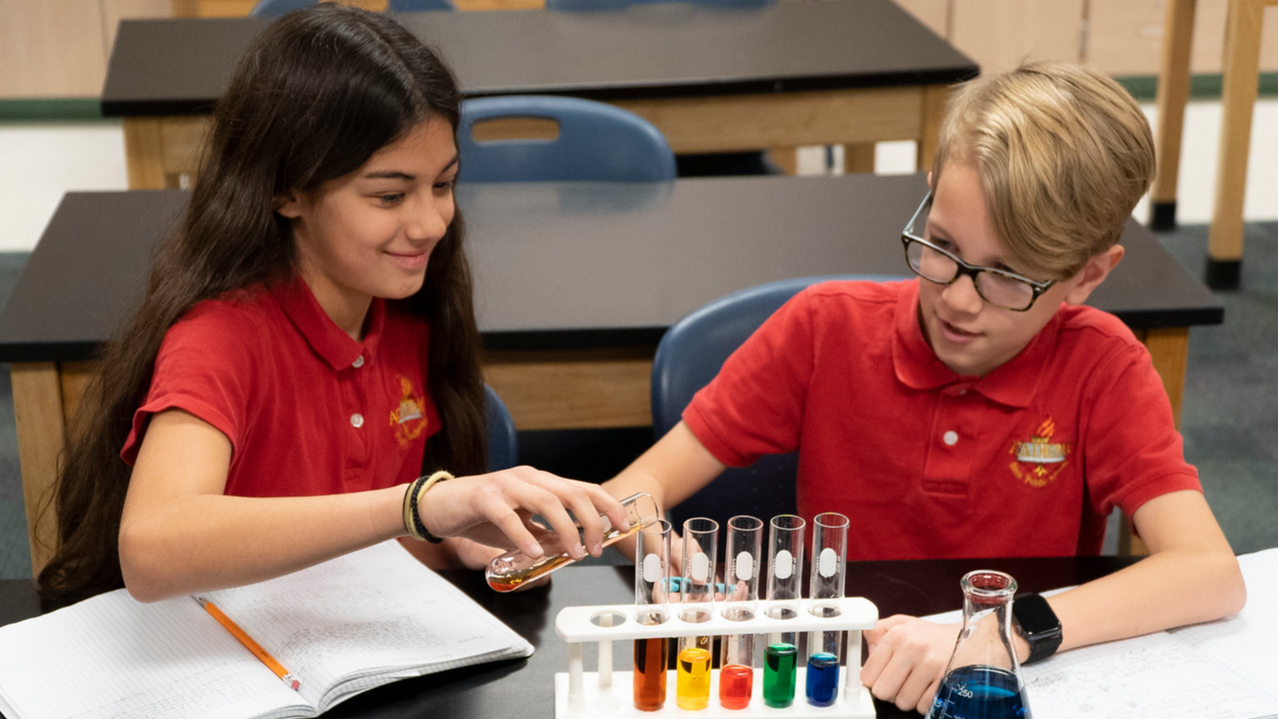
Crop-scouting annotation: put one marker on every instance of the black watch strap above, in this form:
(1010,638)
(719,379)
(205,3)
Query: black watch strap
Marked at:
(1038,624)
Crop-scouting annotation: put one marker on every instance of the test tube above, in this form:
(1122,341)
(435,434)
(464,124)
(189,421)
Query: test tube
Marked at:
(741,598)
(830,551)
(785,564)
(697,602)
(513,569)
(652,574)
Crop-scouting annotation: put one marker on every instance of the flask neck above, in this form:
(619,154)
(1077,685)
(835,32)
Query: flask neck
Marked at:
(986,636)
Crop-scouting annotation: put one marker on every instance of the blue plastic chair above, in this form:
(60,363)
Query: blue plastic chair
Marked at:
(689,356)
(276,8)
(503,444)
(596,141)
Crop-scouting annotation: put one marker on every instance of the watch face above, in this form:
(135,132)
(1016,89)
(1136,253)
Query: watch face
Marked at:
(1034,616)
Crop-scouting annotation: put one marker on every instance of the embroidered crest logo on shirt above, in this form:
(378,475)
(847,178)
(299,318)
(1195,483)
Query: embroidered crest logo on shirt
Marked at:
(409,419)
(1040,460)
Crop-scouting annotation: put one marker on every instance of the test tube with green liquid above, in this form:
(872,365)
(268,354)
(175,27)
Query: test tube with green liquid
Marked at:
(779,674)
(785,564)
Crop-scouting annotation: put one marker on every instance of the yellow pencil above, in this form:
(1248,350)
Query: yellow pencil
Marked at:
(289,680)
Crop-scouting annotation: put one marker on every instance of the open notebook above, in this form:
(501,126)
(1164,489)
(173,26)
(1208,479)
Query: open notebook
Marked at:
(341,627)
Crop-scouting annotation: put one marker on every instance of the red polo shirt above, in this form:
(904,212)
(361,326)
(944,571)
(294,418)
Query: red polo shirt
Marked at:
(1028,460)
(307,409)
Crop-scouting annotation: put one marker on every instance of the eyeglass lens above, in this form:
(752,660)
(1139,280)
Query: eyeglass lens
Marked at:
(996,289)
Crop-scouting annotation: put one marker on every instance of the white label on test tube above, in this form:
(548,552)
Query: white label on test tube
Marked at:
(828,562)
(744,568)
(652,568)
(701,567)
(785,564)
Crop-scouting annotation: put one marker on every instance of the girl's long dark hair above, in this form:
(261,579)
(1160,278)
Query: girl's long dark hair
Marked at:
(315,95)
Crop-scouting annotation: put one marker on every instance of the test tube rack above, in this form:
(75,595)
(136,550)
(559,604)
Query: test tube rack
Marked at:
(608,694)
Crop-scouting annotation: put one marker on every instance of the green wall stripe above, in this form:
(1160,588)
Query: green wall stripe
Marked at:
(1202,87)
(51,110)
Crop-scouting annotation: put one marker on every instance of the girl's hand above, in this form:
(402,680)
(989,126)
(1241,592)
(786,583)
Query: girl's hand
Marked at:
(906,659)
(496,509)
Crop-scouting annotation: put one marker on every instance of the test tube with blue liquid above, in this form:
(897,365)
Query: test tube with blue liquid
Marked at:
(741,602)
(697,604)
(652,583)
(829,561)
(983,677)
(785,567)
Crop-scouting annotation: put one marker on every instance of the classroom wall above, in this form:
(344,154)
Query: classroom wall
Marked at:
(59,48)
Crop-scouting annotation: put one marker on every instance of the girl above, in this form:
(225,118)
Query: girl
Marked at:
(306,346)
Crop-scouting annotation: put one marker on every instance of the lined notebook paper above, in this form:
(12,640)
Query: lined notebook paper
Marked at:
(343,627)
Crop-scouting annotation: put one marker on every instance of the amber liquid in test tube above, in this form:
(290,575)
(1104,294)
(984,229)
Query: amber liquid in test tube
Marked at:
(741,602)
(785,567)
(652,586)
(697,602)
(515,569)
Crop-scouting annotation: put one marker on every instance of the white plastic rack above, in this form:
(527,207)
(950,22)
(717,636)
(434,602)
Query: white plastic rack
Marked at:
(608,694)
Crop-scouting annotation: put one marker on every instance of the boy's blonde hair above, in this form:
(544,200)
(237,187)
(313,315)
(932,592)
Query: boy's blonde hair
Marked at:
(1063,153)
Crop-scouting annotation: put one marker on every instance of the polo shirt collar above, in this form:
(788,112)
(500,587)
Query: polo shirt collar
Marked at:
(1012,384)
(320,332)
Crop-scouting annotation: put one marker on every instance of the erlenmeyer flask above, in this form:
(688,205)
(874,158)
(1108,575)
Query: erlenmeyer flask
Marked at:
(983,678)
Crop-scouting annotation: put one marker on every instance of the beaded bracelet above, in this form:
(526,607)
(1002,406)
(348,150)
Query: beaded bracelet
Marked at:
(412,516)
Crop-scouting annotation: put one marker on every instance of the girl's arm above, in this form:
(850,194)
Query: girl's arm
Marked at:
(180,534)
(1190,576)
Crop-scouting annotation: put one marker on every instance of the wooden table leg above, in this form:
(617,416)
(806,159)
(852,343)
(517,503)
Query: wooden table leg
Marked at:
(37,407)
(144,153)
(1238,96)
(1170,110)
(934,109)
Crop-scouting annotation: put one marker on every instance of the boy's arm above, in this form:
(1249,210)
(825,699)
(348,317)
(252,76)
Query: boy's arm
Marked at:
(672,470)
(1190,576)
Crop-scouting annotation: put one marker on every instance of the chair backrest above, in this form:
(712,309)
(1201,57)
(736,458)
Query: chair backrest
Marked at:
(276,8)
(615,4)
(689,356)
(596,141)
(503,444)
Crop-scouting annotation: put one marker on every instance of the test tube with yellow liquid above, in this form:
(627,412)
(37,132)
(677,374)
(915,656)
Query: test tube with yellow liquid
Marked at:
(697,602)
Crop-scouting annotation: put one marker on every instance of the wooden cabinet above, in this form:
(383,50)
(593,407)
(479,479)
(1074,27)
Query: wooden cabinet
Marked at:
(59,48)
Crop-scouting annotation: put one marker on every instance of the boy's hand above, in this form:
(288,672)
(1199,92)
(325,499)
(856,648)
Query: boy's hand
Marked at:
(906,659)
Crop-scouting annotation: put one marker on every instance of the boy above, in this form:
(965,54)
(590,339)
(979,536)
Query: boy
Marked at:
(980,410)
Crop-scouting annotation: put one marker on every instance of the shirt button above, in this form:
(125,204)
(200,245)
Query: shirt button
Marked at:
(359,362)
(357,420)
(950,438)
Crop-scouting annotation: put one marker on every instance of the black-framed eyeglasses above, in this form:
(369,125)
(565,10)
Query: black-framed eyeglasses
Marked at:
(1001,288)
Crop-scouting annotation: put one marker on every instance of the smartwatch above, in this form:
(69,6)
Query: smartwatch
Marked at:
(1038,625)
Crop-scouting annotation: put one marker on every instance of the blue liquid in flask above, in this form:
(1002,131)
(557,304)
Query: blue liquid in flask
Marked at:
(980,692)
